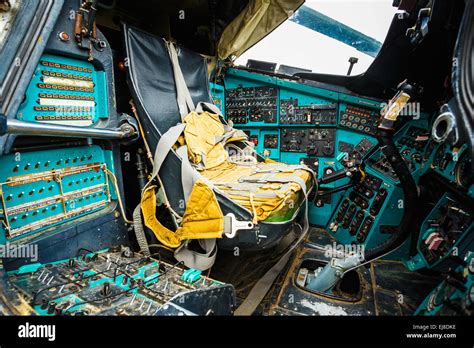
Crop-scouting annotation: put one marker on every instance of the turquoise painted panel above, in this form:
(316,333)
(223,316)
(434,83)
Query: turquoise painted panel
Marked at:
(67,91)
(44,189)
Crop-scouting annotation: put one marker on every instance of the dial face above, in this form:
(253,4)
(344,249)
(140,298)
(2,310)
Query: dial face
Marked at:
(463,171)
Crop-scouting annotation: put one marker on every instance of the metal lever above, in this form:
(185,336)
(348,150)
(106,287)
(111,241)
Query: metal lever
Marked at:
(232,225)
(343,173)
(10,126)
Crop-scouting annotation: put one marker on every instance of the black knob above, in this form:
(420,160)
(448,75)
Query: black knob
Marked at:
(105,289)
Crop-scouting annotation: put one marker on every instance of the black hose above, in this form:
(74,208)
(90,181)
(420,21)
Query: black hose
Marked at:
(141,168)
(410,191)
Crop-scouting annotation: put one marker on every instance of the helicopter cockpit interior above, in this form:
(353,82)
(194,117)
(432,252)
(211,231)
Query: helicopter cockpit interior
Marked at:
(144,171)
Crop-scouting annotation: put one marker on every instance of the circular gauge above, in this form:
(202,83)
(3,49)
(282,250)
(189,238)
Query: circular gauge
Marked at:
(463,173)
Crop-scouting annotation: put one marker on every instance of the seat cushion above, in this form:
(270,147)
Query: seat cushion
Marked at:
(271,191)
(255,188)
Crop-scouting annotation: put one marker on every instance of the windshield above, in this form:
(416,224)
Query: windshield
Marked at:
(323,36)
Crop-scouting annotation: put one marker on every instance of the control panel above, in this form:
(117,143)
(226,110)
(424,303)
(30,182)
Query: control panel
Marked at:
(455,294)
(374,204)
(411,143)
(252,104)
(40,190)
(444,232)
(120,282)
(306,129)
(359,119)
(315,114)
(359,208)
(270,141)
(444,227)
(355,153)
(314,142)
(65,91)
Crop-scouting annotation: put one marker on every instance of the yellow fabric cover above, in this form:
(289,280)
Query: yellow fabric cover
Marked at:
(202,218)
(200,134)
(257,20)
(287,197)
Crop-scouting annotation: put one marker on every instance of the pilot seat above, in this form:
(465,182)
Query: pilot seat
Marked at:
(218,190)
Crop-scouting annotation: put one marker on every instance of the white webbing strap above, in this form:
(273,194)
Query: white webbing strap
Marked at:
(203,107)
(188,174)
(164,146)
(185,102)
(260,289)
(280,168)
(193,259)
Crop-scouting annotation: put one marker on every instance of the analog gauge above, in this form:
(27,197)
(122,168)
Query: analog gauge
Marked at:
(463,171)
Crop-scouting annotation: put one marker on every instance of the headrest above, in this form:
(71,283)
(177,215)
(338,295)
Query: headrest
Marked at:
(151,80)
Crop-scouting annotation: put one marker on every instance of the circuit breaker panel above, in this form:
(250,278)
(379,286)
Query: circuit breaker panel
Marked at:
(59,189)
(65,91)
(42,190)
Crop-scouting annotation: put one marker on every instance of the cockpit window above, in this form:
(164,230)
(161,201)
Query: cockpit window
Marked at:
(8,12)
(327,36)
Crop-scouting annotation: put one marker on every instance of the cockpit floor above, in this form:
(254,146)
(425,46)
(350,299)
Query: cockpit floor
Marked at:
(384,287)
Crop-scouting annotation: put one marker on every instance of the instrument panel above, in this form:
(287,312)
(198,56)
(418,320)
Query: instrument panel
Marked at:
(294,120)
(252,105)
(314,142)
(43,189)
(314,114)
(359,119)
(305,125)
(329,131)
